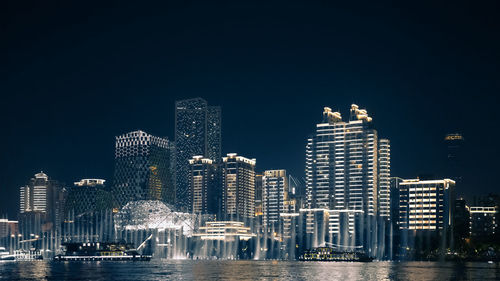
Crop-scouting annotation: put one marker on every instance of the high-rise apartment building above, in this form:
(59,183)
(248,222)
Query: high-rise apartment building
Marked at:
(348,170)
(274,195)
(426,204)
(384,180)
(142,169)
(197,132)
(238,181)
(203,185)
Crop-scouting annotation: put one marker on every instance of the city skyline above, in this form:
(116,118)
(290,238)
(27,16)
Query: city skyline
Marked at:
(246,140)
(440,172)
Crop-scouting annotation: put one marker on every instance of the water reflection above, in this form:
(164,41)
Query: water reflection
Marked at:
(247,270)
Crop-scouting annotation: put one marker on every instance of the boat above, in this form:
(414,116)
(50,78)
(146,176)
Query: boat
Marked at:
(96,251)
(6,256)
(28,255)
(331,254)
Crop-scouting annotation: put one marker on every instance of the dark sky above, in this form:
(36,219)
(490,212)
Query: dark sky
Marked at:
(74,75)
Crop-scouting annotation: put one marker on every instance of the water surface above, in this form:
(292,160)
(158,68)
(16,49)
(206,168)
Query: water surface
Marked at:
(246,270)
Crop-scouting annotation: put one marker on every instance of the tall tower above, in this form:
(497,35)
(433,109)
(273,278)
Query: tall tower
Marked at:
(142,168)
(238,178)
(343,170)
(274,195)
(197,132)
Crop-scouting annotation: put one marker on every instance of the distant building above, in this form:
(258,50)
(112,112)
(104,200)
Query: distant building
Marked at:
(202,182)
(426,204)
(41,204)
(461,219)
(483,221)
(274,195)
(224,231)
(142,169)
(384,180)
(197,132)
(394,194)
(8,227)
(238,178)
(87,196)
(258,198)
(454,148)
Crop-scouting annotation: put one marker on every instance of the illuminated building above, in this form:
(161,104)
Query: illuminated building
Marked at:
(274,195)
(142,168)
(426,204)
(88,195)
(197,132)
(483,221)
(384,180)
(225,231)
(238,178)
(348,170)
(41,204)
(202,182)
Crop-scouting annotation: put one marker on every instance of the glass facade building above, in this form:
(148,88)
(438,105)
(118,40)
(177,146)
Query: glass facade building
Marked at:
(142,169)
(87,196)
(197,132)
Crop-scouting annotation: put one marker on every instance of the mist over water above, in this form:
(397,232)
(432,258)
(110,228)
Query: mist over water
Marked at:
(246,270)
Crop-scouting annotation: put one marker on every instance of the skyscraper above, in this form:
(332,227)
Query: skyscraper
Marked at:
(238,178)
(274,195)
(202,182)
(142,169)
(348,171)
(197,132)
(41,204)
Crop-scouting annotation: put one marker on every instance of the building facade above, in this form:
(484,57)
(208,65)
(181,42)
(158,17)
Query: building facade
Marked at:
(238,181)
(426,204)
(348,171)
(88,196)
(197,132)
(41,204)
(483,221)
(142,169)
(203,185)
(274,196)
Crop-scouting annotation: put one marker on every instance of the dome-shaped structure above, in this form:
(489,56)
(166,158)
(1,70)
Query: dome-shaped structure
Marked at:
(150,214)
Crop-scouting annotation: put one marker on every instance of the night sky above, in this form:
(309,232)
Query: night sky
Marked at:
(74,75)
